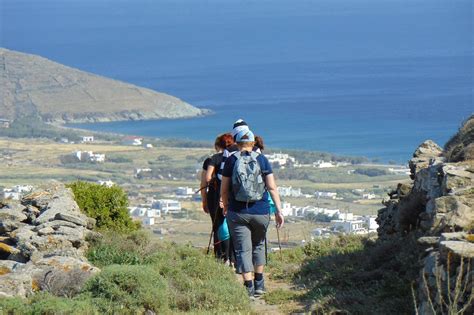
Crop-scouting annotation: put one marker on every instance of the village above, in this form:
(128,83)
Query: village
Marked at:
(163,192)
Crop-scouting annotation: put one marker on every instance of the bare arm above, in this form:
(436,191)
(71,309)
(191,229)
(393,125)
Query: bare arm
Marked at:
(272,189)
(225,193)
(204,191)
(209,172)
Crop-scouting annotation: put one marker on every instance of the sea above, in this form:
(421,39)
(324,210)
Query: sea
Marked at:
(371,78)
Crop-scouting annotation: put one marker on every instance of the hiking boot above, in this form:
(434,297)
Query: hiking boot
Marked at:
(259,286)
(251,291)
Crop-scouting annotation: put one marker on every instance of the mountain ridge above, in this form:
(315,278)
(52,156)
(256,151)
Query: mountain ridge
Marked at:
(34,85)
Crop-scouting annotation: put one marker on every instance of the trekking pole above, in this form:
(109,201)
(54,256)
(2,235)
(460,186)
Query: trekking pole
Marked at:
(210,239)
(279,243)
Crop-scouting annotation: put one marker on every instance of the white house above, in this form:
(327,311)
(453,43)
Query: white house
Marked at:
(167,206)
(323,164)
(185,191)
(16,192)
(280,158)
(88,139)
(289,191)
(149,146)
(345,216)
(141,171)
(325,194)
(371,223)
(369,196)
(132,141)
(106,183)
(349,226)
(89,156)
(286,209)
(5,123)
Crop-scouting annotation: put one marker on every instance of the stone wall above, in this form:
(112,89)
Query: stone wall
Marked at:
(438,207)
(43,243)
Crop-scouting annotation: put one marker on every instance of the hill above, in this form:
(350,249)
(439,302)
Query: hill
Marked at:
(33,85)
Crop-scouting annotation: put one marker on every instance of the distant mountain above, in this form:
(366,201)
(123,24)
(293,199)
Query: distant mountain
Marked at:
(33,85)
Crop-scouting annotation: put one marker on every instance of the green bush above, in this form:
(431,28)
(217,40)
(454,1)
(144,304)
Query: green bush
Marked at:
(130,288)
(108,205)
(46,304)
(194,281)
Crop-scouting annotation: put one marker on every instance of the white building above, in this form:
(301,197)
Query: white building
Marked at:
(167,206)
(349,226)
(106,183)
(5,123)
(185,191)
(345,216)
(280,158)
(141,171)
(371,223)
(325,194)
(88,139)
(289,191)
(369,196)
(16,192)
(89,156)
(286,209)
(323,164)
(149,146)
(137,141)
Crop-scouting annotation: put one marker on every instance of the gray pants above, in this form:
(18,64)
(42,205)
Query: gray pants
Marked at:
(248,233)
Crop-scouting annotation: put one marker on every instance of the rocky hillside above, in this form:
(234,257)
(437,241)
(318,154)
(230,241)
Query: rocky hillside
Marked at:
(438,207)
(43,243)
(59,94)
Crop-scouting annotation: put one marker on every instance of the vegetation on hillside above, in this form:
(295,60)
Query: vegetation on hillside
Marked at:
(349,274)
(138,274)
(461,146)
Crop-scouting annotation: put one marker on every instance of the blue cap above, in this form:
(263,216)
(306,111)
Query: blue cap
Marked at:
(249,136)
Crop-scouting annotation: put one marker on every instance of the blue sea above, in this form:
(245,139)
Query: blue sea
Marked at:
(355,77)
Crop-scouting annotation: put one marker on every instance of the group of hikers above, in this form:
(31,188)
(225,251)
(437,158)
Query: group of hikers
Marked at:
(239,192)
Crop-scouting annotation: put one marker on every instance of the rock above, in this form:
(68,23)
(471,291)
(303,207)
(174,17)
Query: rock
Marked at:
(62,202)
(12,215)
(7,250)
(46,231)
(66,263)
(70,218)
(55,224)
(455,236)
(7,226)
(427,153)
(459,248)
(15,284)
(428,241)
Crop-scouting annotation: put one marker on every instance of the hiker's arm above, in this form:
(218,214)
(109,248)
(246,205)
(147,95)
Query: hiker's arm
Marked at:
(209,172)
(225,193)
(272,189)
(204,191)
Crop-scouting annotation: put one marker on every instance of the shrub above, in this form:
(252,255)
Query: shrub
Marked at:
(45,303)
(194,281)
(131,288)
(371,172)
(108,205)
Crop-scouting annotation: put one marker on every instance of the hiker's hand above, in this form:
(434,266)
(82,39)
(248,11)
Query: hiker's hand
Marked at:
(221,204)
(279,219)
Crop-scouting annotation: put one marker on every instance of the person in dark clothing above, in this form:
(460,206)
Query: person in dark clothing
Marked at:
(222,247)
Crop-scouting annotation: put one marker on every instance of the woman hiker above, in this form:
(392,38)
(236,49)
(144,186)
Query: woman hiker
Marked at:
(211,200)
(248,220)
